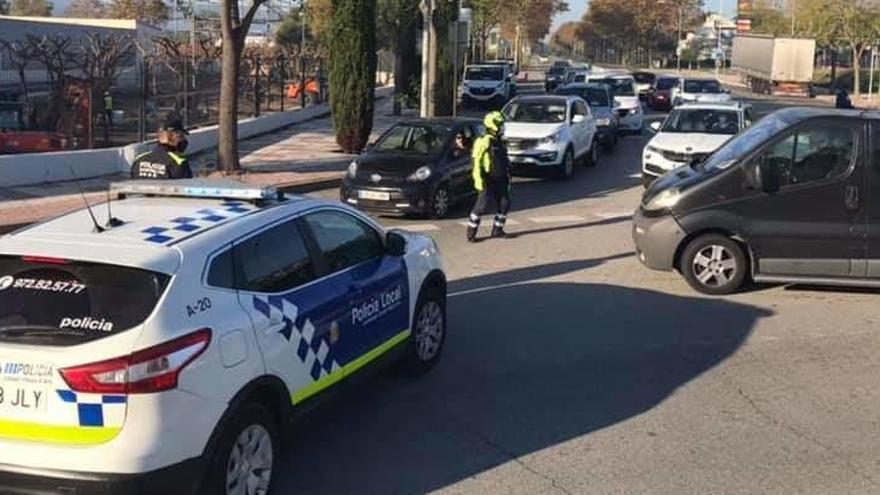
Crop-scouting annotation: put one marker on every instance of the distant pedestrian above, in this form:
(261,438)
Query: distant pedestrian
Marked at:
(108,108)
(166,160)
(491,175)
(843,100)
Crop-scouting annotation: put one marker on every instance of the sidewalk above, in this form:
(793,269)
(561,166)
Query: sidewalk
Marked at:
(297,158)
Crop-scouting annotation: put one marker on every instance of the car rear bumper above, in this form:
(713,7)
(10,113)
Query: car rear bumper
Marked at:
(656,239)
(181,478)
(407,200)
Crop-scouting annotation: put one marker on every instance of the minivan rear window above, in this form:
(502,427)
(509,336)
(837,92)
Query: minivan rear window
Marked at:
(58,302)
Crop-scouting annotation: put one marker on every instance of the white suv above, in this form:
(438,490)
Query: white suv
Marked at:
(486,84)
(698,90)
(692,131)
(142,351)
(550,133)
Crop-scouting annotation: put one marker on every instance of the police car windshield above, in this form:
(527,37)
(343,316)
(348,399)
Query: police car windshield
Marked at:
(705,121)
(57,302)
(536,112)
(417,139)
(484,74)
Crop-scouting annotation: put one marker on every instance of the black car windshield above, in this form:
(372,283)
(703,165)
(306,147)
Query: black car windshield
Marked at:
(698,86)
(746,142)
(557,70)
(702,120)
(664,83)
(595,97)
(410,138)
(536,112)
(619,87)
(484,74)
(58,302)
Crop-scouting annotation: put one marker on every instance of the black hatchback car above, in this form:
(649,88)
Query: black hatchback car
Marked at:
(415,167)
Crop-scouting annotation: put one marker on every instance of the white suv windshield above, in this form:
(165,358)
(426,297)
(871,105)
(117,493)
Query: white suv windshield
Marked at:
(58,302)
(484,74)
(702,120)
(536,112)
(705,87)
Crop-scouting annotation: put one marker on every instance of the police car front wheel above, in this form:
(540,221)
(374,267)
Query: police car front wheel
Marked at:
(245,462)
(428,332)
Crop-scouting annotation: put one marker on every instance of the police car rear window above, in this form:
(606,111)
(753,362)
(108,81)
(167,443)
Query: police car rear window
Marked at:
(58,302)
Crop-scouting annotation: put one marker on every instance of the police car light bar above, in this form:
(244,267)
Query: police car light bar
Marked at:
(195,188)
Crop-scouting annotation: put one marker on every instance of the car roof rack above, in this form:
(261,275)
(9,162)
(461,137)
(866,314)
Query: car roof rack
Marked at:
(198,188)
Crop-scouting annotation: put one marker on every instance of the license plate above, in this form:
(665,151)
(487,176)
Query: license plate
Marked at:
(22,400)
(24,388)
(374,195)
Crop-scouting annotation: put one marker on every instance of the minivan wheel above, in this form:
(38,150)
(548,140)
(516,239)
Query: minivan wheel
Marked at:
(428,332)
(566,170)
(714,264)
(440,201)
(246,459)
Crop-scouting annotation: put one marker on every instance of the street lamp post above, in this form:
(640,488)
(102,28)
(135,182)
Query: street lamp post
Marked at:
(302,57)
(678,41)
(428,59)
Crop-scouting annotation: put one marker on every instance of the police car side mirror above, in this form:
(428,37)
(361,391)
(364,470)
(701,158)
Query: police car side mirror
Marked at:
(395,244)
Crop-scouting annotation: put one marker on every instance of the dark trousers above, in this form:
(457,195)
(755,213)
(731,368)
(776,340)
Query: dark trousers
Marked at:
(494,196)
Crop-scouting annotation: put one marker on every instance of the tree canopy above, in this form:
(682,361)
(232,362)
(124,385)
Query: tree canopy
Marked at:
(34,8)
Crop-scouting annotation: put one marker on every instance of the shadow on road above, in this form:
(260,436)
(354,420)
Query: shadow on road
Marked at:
(526,367)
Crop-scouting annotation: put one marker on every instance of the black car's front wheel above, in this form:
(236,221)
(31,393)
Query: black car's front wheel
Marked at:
(440,202)
(714,264)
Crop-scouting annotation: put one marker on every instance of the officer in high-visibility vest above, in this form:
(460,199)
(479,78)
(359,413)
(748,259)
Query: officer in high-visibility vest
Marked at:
(166,159)
(108,108)
(491,175)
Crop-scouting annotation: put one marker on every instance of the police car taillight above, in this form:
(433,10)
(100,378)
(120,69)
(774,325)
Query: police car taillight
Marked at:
(151,370)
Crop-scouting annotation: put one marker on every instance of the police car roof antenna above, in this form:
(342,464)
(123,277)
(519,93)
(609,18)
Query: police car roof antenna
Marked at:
(82,193)
(111,220)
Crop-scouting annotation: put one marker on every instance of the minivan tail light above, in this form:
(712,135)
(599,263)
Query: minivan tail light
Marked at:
(151,370)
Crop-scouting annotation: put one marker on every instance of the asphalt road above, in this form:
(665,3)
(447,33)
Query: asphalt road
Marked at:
(572,369)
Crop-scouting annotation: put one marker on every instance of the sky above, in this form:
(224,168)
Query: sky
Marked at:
(576,9)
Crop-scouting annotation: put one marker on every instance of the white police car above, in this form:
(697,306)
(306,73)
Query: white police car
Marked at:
(167,348)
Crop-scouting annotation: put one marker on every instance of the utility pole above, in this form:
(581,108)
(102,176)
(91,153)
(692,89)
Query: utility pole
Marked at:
(302,56)
(678,44)
(429,59)
(455,62)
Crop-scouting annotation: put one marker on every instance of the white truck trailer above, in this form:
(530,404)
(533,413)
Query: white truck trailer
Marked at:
(778,66)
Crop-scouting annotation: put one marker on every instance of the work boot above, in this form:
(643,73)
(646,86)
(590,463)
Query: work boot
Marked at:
(499,232)
(472,234)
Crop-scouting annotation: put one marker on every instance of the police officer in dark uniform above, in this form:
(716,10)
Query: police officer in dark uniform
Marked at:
(166,159)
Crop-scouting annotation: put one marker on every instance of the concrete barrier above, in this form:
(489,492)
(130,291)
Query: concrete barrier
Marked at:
(39,168)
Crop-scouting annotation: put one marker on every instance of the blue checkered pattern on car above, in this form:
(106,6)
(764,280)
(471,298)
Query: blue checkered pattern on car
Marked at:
(180,227)
(90,412)
(312,350)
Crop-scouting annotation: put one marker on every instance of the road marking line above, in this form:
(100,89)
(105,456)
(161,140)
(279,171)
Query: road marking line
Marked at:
(426,227)
(637,175)
(558,219)
(612,214)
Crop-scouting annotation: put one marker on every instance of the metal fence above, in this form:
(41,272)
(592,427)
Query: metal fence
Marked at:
(76,113)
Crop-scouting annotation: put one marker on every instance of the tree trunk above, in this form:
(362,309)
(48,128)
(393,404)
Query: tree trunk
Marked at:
(227,146)
(834,69)
(857,69)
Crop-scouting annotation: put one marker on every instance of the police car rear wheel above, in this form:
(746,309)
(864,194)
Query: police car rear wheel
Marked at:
(246,460)
(428,333)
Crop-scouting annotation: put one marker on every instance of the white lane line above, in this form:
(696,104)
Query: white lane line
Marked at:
(558,219)
(636,176)
(612,214)
(427,227)
(489,219)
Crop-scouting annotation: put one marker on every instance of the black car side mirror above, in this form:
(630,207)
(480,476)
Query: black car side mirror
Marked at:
(395,244)
(767,177)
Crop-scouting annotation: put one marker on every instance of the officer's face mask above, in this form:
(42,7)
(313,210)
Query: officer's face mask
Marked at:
(501,130)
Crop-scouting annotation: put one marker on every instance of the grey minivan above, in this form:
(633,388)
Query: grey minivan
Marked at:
(793,199)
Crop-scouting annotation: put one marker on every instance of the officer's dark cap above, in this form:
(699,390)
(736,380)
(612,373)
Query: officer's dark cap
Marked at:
(173,122)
